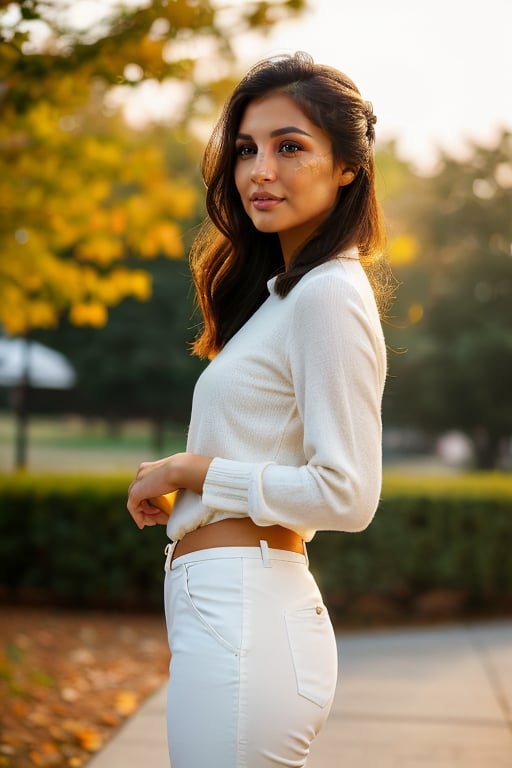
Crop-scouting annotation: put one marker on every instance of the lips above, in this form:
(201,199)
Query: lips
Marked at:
(264,196)
(265,200)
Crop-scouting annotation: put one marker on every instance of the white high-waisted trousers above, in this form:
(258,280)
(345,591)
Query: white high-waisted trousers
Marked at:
(254,662)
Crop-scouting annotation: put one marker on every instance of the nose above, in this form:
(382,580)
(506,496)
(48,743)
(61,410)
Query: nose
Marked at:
(263,169)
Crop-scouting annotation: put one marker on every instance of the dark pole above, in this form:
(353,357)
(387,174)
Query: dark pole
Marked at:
(22,410)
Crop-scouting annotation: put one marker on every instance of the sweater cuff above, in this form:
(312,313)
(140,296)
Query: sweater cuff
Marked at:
(226,486)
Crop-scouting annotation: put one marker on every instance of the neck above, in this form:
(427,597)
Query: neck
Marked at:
(289,245)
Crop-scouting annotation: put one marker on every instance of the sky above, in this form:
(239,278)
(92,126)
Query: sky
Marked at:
(439,73)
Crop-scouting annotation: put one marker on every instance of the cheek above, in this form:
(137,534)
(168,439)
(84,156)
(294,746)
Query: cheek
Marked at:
(236,178)
(318,171)
(313,167)
(240,177)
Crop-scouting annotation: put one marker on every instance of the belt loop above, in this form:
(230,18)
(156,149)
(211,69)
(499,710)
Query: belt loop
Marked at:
(265,556)
(169,551)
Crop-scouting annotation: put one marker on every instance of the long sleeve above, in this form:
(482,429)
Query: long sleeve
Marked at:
(336,359)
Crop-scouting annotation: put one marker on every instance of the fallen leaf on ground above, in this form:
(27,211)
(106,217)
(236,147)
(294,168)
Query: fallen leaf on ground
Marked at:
(70,678)
(126,703)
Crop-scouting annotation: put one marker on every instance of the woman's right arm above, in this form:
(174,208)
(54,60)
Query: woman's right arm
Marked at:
(157,478)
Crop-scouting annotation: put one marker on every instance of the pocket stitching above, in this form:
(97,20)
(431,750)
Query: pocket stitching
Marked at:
(212,631)
(323,699)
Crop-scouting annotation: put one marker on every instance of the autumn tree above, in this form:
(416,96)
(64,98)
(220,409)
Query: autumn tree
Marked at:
(457,370)
(78,190)
(139,366)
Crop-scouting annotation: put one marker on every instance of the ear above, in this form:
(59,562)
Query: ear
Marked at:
(346,175)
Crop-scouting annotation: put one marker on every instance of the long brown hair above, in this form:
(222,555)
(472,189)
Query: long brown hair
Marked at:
(231,261)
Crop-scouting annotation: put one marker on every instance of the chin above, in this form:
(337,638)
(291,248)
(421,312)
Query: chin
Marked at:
(267,229)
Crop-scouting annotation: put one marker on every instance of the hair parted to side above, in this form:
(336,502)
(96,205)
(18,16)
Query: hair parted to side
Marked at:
(231,261)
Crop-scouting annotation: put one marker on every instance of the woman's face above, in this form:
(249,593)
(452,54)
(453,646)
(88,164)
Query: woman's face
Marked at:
(285,172)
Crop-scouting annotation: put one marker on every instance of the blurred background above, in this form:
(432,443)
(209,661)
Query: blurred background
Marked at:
(104,111)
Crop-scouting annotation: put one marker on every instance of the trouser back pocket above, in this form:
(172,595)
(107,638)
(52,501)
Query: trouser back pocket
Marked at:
(314,653)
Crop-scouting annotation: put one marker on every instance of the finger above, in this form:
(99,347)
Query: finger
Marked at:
(159,519)
(165,502)
(150,511)
(135,497)
(136,513)
(139,521)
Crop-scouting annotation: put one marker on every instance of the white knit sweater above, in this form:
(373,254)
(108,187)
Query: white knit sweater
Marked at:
(290,409)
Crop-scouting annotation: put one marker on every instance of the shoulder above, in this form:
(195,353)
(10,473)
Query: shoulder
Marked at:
(336,320)
(333,284)
(336,298)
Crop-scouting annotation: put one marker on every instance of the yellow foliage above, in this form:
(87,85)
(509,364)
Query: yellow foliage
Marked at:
(41,314)
(73,206)
(109,292)
(13,311)
(118,221)
(68,280)
(79,192)
(90,280)
(138,211)
(106,154)
(164,237)
(91,313)
(70,183)
(99,190)
(184,202)
(101,249)
(123,282)
(140,284)
(42,121)
(61,230)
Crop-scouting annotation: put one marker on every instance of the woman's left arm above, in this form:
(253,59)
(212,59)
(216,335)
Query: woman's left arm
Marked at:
(156,478)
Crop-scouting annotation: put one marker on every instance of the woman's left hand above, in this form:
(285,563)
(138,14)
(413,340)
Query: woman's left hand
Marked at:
(157,478)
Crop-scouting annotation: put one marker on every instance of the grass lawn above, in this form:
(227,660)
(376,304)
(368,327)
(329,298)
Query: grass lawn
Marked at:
(76,445)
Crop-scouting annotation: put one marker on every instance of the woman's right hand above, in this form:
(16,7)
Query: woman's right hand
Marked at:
(153,481)
(158,478)
(154,512)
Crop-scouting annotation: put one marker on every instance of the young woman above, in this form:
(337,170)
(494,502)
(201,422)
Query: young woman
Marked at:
(285,432)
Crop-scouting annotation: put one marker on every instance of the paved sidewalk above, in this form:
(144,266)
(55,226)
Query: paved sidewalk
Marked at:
(412,698)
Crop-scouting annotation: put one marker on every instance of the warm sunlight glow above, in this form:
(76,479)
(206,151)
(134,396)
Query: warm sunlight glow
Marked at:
(415,313)
(403,250)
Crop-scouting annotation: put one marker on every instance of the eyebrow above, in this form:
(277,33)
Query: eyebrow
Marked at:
(277,132)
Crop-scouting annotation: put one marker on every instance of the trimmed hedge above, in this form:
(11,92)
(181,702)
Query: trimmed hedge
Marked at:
(445,535)
(70,540)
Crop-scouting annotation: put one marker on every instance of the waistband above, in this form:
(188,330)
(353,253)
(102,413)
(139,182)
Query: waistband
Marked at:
(264,553)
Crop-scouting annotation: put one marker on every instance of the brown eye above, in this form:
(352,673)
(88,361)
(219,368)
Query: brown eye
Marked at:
(290,147)
(243,150)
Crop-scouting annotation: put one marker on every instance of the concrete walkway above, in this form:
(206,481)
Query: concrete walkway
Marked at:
(415,698)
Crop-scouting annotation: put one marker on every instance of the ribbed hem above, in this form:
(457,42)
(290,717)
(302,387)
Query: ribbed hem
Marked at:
(226,486)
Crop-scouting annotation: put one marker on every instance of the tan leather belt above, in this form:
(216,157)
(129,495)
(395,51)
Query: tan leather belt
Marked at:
(238,532)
